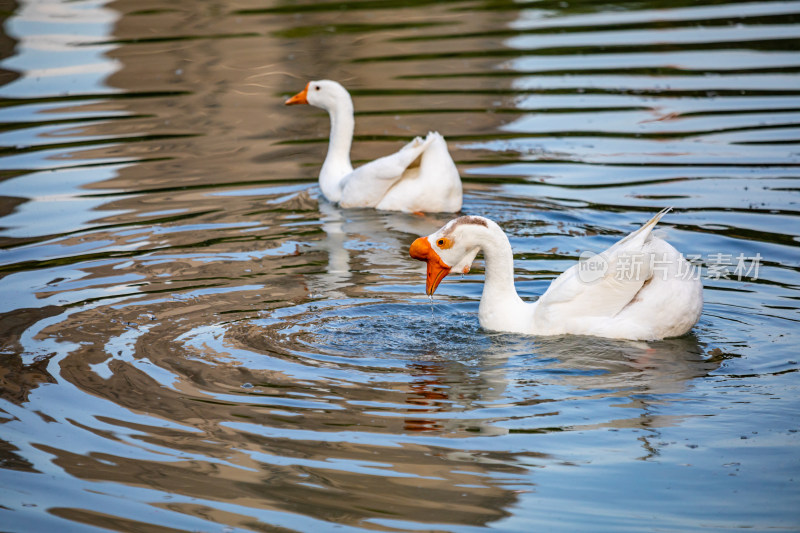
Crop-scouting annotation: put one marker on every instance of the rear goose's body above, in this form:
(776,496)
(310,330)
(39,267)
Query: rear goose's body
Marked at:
(654,299)
(420,177)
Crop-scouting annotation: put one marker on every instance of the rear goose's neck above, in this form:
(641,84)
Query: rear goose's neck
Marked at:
(337,163)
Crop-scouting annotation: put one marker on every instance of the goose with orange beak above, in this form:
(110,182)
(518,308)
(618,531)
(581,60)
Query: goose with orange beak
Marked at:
(595,297)
(420,177)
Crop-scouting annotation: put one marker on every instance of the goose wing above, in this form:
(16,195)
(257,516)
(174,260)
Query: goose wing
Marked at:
(368,184)
(604,284)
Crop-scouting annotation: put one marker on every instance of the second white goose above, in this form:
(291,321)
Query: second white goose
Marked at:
(420,177)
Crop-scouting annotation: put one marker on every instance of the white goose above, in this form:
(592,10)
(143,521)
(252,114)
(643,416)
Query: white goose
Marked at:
(420,177)
(639,289)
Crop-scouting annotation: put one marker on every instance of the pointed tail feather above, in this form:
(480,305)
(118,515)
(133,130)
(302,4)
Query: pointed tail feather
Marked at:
(645,230)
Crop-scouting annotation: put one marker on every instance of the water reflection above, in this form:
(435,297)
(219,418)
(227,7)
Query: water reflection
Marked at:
(303,427)
(356,240)
(58,50)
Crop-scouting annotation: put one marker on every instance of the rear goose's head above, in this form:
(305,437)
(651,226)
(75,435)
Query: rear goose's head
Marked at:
(451,249)
(325,94)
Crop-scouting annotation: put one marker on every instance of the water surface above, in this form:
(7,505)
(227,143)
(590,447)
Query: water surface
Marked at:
(192,339)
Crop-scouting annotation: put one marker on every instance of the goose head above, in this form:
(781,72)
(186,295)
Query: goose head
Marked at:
(325,94)
(451,249)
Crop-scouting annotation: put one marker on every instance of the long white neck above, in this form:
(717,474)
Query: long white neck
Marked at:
(337,163)
(501,307)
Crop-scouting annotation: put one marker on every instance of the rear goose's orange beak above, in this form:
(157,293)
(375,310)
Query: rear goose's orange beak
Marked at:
(299,98)
(437,269)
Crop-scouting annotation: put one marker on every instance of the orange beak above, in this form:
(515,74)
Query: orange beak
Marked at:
(437,269)
(299,98)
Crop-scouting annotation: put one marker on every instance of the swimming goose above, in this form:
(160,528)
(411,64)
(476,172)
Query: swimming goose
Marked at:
(420,177)
(641,288)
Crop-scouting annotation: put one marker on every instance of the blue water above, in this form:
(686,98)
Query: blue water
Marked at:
(192,339)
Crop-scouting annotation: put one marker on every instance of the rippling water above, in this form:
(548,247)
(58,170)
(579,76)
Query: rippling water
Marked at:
(192,340)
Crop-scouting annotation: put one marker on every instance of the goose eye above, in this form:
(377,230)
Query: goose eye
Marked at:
(444,243)
(316,87)
(440,242)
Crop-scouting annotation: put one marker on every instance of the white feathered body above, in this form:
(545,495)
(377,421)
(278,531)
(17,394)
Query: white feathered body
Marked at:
(641,288)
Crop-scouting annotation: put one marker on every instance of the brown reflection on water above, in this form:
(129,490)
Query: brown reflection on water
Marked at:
(18,377)
(230,72)
(335,480)
(429,484)
(261,456)
(7,44)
